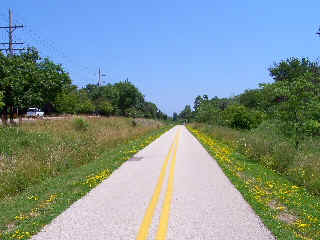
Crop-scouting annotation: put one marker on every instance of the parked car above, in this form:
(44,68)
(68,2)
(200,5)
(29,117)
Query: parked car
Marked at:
(34,113)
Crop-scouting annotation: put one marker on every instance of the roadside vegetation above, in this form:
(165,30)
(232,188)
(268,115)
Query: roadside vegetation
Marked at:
(28,80)
(47,165)
(267,140)
(37,150)
(288,210)
(277,125)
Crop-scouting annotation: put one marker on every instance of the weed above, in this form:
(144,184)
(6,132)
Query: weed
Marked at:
(37,150)
(289,211)
(24,214)
(80,124)
(266,145)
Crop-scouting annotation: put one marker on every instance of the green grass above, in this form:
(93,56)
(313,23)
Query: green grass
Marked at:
(269,147)
(289,211)
(24,214)
(42,149)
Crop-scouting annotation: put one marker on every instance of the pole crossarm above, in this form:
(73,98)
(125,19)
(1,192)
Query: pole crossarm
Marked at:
(15,26)
(10,43)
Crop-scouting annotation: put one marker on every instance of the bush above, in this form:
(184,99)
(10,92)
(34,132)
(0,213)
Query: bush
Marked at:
(311,127)
(240,117)
(104,108)
(80,124)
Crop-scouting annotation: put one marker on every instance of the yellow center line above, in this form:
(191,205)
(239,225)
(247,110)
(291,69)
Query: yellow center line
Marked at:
(164,219)
(144,228)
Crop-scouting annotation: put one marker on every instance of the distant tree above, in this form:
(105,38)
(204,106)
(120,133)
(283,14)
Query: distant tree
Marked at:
(240,117)
(208,111)
(251,98)
(197,103)
(186,113)
(129,96)
(85,105)
(68,101)
(125,98)
(150,110)
(175,116)
(104,108)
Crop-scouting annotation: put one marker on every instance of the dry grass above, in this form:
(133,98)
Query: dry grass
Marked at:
(38,150)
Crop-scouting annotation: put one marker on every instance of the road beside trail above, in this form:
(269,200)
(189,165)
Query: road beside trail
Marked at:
(172,189)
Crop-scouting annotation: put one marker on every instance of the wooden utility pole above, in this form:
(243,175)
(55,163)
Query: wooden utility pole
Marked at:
(10,44)
(100,77)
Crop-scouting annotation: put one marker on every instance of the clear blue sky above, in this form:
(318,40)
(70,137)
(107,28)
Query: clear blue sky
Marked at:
(171,50)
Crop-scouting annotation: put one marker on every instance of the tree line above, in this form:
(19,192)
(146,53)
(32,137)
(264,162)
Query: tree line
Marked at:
(292,100)
(27,80)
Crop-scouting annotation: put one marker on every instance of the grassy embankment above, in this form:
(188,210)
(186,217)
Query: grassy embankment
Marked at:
(279,181)
(47,165)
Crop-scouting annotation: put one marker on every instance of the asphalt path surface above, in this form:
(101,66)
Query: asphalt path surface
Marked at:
(172,189)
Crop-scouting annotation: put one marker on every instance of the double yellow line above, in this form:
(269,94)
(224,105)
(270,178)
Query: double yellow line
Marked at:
(164,218)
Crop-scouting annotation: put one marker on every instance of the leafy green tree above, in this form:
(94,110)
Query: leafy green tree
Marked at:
(240,117)
(104,108)
(197,103)
(1,102)
(85,105)
(251,98)
(292,68)
(175,116)
(298,102)
(28,81)
(67,102)
(186,113)
(150,110)
(129,96)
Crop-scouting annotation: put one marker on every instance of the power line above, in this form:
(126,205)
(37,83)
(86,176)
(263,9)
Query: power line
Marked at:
(49,48)
(11,43)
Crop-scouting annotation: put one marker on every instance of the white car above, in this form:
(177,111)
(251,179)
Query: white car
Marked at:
(34,113)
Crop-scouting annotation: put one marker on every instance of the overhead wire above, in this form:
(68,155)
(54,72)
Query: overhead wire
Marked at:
(47,48)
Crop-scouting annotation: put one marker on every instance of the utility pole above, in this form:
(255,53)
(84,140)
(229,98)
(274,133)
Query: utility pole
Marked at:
(100,77)
(10,44)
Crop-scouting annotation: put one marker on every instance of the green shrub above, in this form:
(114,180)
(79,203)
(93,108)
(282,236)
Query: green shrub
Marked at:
(80,124)
(240,117)
(311,127)
(104,108)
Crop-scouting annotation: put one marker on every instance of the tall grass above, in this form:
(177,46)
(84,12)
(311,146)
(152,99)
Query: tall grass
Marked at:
(40,149)
(268,146)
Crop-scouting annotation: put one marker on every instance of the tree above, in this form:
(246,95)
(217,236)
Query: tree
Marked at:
(1,100)
(175,116)
(292,68)
(129,96)
(150,110)
(251,98)
(104,108)
(27,81)
(67,101)
(298,104)
(197,103)
(186,113)
(240,117)
(85,105)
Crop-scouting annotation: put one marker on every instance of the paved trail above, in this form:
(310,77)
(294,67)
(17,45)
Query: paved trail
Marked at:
(172,189)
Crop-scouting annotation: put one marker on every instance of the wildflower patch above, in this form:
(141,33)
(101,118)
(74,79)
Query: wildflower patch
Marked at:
(289,211)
